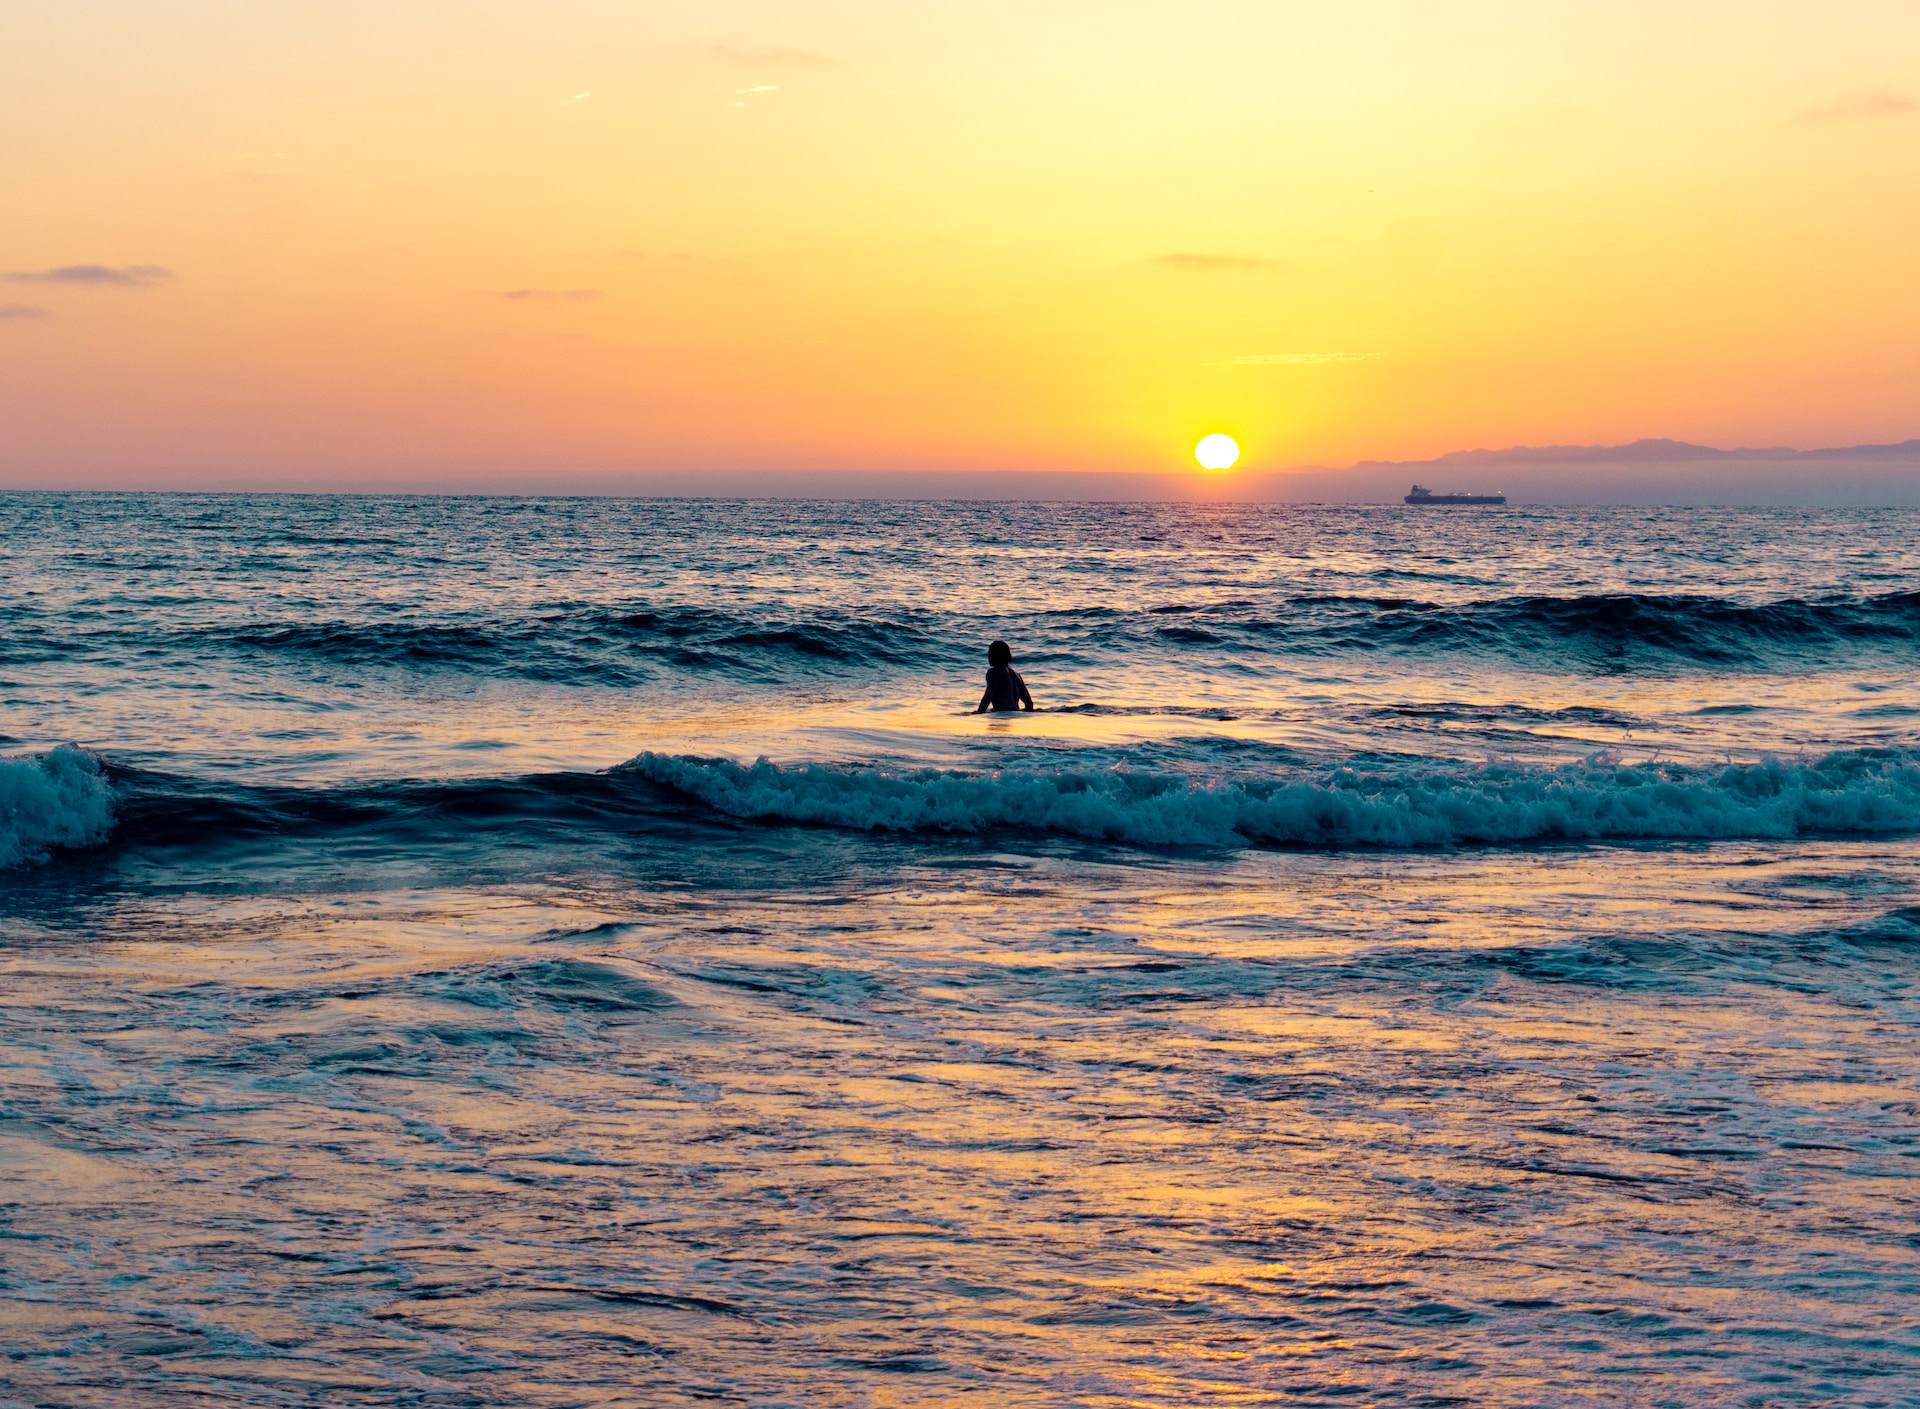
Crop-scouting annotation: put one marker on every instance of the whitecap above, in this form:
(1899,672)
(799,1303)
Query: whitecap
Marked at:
(55,799)
(1396,805)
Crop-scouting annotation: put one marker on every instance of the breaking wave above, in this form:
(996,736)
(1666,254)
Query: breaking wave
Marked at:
(58,799)
(1594,629)
(1426,804)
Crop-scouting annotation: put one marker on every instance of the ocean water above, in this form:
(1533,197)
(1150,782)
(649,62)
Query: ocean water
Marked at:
(539,952)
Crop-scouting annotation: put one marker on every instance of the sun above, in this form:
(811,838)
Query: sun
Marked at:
(1216,452)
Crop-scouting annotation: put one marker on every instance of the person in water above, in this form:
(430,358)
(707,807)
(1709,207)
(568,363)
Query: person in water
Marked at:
(1005,688)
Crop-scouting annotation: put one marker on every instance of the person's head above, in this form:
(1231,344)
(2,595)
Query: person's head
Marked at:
(999,653)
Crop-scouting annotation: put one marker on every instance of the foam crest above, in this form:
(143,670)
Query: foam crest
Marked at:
(1412,804)
(53,800)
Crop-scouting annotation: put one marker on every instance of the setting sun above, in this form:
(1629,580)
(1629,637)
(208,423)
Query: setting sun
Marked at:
(1216,452)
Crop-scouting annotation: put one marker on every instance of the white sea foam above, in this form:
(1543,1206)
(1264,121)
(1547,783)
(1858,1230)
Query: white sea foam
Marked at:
(55,799)
(1415,804)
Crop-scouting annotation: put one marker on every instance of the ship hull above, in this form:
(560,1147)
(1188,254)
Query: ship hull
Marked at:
(1455,499)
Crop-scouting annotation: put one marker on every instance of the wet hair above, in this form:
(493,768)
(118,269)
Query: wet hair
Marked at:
(999,653)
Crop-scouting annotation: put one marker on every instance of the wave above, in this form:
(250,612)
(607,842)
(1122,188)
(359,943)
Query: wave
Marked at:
(1599,629)
(617,646)
(1403,805)
(697,820)
(606,647)
(1709,628)
(58,799)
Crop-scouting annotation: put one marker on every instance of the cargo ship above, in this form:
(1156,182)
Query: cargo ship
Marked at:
(1427,496)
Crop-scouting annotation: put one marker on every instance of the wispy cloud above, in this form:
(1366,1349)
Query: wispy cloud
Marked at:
(1864,105)
(1214,263)
(1289,359)
(20,312)
(126,276)
(576,98)
(549,295)
(759,88)
(768,56)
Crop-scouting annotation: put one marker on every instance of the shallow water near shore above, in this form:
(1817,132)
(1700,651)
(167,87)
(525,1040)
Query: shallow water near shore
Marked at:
(530,952)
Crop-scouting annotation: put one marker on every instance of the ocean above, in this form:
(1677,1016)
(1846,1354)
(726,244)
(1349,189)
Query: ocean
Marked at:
(538,952)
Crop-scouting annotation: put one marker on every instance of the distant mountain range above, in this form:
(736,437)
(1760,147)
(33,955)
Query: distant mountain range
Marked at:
(1645,452)
(1645,472)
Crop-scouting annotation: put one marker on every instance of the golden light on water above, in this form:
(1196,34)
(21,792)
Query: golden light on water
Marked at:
(1217,452)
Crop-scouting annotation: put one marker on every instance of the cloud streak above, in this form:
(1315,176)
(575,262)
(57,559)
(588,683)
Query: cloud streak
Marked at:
(125,276)
(1863,106)
(768,56)
(1289,359)
(549,295)
(1193,263)
(20,312)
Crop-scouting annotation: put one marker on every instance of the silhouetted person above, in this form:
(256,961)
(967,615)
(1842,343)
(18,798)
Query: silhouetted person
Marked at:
(1005,688)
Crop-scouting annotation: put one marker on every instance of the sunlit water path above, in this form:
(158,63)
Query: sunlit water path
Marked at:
(1415,957)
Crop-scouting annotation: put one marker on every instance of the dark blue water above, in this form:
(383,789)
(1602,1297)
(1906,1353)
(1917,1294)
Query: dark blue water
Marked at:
(488,951)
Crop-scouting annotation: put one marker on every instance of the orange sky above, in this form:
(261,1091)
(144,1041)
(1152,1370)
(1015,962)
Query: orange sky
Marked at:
(374,239)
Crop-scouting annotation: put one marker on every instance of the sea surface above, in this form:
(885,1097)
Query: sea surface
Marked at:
(539,952)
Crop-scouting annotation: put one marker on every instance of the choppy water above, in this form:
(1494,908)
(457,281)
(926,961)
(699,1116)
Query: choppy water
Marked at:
(1413,957)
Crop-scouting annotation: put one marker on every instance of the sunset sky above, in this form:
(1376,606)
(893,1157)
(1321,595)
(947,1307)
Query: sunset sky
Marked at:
(370,241)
